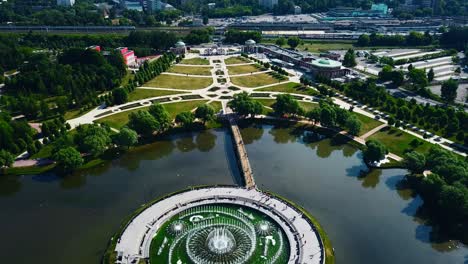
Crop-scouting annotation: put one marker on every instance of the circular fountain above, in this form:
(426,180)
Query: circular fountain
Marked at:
(220,225)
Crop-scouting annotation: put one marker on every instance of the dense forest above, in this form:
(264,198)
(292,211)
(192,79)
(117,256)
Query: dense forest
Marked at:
(76,76)
(17,48)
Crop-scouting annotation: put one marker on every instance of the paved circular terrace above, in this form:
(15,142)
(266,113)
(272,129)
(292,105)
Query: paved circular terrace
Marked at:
(305,245)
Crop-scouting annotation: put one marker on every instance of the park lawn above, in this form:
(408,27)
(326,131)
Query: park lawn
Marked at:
(233,70)
(141,93)
(398,142)
(267,104)
(119,120)
(190,70)
(325,46)
(216,106)
(236,60)
(179,82)
(307,106)
(290,87)
(175,108)
(195,61)
(367,123)
(256,80)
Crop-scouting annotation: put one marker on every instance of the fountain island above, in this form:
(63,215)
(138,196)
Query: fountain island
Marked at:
(218,225)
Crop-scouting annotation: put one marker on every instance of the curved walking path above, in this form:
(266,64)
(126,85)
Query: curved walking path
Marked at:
(305,243)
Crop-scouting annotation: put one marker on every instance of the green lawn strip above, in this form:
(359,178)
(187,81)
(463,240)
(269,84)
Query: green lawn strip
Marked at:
(190,70)
(233,70)
(179,82)
(267,104)
(307,106)
(44,152)
(290,87)
(398,142)
(216,106)
(196,61)
(119,120)
(140,93)
(329,254)
(254,80)
(127,78)
(367,123)
(74,113)
(236,60)
(175,108)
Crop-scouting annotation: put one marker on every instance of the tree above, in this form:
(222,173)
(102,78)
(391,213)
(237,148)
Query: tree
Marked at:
(281,41)
(293,42)
(418,77)
(120,96)
(244,105)
(95,144)
(6,158)
(349,59)
(398,77)
(354,125)
(363,40)
(375,151)
(391,121)
(143,123)
(68,159)
(286,104)
(430,75)
(327,116)
(449,90)
(414,162)
(126,137)
(185,118)
(205,112)
(314,115)
(161,115)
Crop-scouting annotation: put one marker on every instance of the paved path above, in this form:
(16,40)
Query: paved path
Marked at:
(373,131)
(302,236)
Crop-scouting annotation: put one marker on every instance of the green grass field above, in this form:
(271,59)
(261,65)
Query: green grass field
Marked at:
(119,120)
(190,70)
(291,87)
(216,106)
(398,142)
(233,70)
(140,93)
(318,46)
(236,60)
(367,123)
(308,106)
(256,80)
(196,61)
(179,82)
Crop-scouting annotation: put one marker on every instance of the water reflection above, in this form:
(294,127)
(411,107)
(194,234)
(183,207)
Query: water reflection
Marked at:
(371,179)
(9,185)
(206,141)
(252,133)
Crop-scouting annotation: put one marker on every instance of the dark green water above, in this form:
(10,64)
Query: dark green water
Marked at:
(47,219)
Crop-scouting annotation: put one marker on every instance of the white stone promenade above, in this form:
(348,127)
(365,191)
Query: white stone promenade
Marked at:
(305,243)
